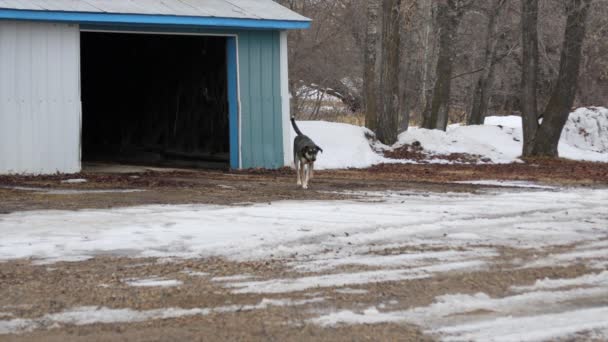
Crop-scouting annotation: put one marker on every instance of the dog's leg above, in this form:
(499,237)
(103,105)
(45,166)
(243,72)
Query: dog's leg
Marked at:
(311,168)
(299,175)
(305,173)
(302,174)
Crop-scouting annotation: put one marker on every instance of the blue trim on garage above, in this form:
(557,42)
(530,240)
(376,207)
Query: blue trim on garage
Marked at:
(233,104)
(145,19)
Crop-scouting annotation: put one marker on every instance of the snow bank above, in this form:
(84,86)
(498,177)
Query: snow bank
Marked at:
(587,129)
(344,146)
(500,139)
(499,144)
(585,137)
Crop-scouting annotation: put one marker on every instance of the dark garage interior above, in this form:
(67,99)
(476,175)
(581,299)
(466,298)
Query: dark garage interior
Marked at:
(151,98)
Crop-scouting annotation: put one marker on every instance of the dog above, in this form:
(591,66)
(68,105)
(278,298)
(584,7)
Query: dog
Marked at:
(304,155)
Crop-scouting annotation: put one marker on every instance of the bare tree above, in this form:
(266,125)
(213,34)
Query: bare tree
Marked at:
(481,96)
(546,140)
(388,118)
(529,78)
(561,101)
(369,78)
(449,14)
(332,58)
(407,13)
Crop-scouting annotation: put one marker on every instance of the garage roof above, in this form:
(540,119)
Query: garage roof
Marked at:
(262,14)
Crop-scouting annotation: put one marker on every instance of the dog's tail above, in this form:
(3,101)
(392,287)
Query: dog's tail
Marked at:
(295,127)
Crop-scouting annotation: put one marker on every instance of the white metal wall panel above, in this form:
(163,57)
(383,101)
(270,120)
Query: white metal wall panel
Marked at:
(39,98)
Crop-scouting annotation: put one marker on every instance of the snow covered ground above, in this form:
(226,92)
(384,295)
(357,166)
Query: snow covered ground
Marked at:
(461,233)
(339,248)
(585,137)
(285,228)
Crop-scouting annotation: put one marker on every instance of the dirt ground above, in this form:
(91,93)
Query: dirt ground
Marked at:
(32,291)
(255,186)
(29,290)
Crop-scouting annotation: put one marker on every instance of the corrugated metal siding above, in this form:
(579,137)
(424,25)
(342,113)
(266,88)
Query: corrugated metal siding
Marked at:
(39,98)
(285,98)
(242,9)
(260,89)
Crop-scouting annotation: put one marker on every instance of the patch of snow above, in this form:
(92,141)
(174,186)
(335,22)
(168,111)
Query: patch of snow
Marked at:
(74,181)
(91,314)
(232,278)
(70,191)
(531,328)
(596,279)
(343,279)
(569,258)
(368,316)
(195,273)
(481,318)
(510,184)
(400,260)
(530,316)
(153,282)
(226,187)
(518,219)
(511,121)
(595,251)
(448,309)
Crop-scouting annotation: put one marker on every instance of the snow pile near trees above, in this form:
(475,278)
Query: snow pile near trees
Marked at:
(344,145)
(494,143)
(587,129)
(585,137)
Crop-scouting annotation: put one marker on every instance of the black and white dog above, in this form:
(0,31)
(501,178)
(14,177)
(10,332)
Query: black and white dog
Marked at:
(304,155)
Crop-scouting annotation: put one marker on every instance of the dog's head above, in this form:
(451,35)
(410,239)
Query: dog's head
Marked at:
(310,152)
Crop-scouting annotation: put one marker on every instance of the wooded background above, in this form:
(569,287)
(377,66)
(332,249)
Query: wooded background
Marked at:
(401,62)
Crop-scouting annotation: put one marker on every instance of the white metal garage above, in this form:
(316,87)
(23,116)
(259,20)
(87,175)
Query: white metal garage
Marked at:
(241,121)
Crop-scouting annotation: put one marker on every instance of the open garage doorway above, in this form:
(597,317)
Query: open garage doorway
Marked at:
(156,99)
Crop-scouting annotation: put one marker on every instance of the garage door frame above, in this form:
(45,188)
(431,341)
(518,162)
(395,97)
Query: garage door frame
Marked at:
(233,84)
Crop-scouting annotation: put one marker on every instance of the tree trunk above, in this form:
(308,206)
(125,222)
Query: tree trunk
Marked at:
(388,120)
(424,92)
(481,96)
(369,77)
(529,106)
(404,104)
(562,98)
(449,13)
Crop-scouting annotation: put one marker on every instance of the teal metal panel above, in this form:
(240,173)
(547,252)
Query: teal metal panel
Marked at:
(261,128)
(233,94)
(245,97)
(277,108)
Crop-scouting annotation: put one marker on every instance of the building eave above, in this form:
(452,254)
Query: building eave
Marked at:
(146,19)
